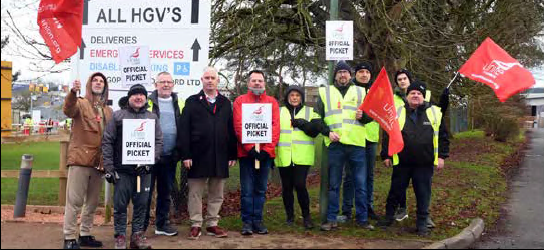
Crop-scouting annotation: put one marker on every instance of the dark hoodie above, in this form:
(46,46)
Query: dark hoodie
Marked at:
(310,129)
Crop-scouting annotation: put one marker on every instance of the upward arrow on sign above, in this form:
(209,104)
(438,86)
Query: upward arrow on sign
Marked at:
(194,11)
(86,12)
(195,48)
(82,49)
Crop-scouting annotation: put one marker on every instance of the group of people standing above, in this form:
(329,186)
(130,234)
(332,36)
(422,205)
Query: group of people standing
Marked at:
(204,132)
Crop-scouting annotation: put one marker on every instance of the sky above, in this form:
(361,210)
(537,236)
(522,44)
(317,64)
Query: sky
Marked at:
(24,13)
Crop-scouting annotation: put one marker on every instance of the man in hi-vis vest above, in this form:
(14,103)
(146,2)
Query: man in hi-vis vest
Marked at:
(426,145)
(344,130)
(363,78)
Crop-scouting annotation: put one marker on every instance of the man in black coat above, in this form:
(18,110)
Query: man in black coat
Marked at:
(208,150)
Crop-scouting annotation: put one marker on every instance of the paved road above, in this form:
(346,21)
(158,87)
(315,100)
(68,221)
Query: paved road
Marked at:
(37,235)
(524,227)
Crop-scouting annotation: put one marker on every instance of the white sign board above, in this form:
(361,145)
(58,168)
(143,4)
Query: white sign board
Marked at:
(138,142)
(256,123)
(36,116)
(134,62)
(339,40)
(177,33)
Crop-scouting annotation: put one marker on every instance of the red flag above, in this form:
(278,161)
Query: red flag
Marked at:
(380,105)
(60,23)
(491,65)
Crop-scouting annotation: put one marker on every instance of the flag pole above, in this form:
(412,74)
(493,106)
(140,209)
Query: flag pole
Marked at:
(452,80)
(77,70)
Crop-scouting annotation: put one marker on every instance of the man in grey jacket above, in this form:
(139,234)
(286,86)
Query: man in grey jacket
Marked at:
(125,177)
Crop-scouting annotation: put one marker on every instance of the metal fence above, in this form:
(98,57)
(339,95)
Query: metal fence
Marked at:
(458,119)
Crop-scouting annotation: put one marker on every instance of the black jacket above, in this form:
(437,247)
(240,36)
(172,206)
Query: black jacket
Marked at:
(208,136)
(156,110)
(418,139)
(320,110)
(112,142)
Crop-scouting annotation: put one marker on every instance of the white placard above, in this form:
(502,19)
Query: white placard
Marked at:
(177,33)
(36,116)
(138,142)
(134,66)
(339,40)
(256,123)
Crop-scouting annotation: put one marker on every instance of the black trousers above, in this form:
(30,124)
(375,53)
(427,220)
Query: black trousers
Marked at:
(163,174)
(421,177)
(294,178)
(125,191)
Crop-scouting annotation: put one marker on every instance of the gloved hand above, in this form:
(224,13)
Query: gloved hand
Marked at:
(263,156)
(444,100)
(143,169)
(297,123)
(253,153)
(112,177)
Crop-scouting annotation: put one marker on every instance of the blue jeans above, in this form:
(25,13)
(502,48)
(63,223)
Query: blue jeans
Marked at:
(349,190)
(253,184)
(355,157)
(163,174)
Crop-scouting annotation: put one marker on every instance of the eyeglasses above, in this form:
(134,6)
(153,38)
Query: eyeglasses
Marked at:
(166,82)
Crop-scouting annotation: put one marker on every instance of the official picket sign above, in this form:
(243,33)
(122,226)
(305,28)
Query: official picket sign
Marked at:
(135,68)
(256,123)
(138,141)
(339,40)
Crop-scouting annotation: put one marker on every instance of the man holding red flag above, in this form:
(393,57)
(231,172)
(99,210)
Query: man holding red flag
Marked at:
(426,144)
(60,23)
(491,65)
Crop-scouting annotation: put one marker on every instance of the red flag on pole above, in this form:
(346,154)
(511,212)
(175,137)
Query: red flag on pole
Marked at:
(491,65)
(380,105)
(60,23)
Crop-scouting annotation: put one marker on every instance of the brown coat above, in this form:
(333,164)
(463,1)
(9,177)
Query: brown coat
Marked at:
(86,135)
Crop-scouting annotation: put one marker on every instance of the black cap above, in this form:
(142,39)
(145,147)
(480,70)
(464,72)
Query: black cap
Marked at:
(342,65)
(404,71)
(363,65)
(419,86)
(137,89)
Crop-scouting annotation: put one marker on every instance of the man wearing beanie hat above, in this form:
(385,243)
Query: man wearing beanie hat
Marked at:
(403,79)
(363,76)
(343,127)
(426,144)
(123,176)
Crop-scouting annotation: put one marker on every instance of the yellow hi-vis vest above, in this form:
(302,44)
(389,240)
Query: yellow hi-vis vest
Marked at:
(294,145)
(340,114)
(428,96)
(435,117)
(181,105)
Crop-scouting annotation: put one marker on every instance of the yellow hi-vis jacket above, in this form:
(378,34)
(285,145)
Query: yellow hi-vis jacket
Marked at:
(435,117)
(340,114)
(181,105)
(294,145)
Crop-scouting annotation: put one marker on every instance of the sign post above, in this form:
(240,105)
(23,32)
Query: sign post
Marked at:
(256,125)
